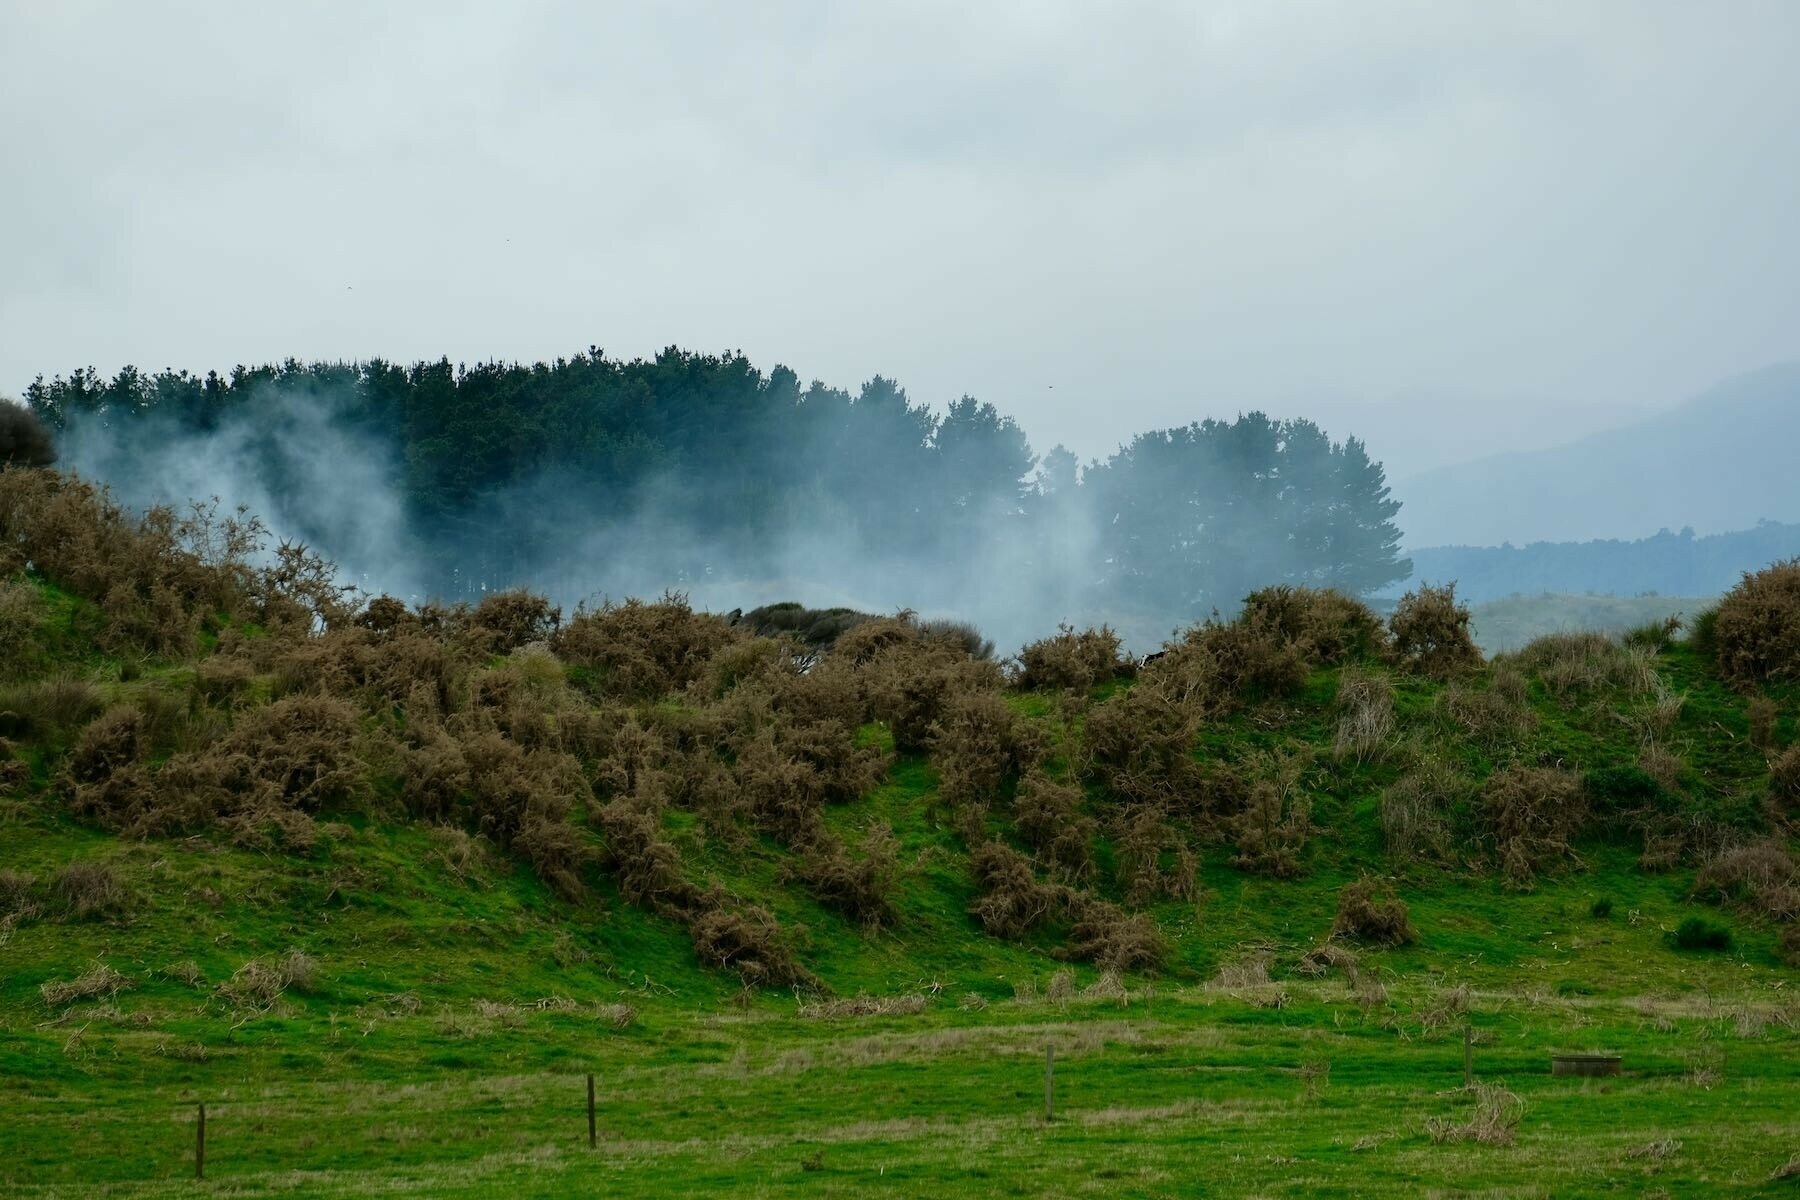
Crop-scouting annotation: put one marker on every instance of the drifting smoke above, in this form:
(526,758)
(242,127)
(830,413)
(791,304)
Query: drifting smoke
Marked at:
(867,503)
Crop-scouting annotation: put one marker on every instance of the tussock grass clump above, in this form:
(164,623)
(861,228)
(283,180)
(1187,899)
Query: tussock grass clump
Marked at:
(1494,1121)
(50,708)
(85,888)
(1784,783)
(1272,827)
(1531,816)
(1697,933)
(1577,664)
(1430,633)
(1496,716)
(1761,714)
(1072,660)
(1756,630)
(259,983)
(1761,876)
(1326,958)
(852,1007)
(1365,714)
(1325,626)
(1418,811)
(97,981)
(1370,912)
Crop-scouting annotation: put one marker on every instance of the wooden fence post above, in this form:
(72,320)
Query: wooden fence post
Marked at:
(1468,1056)
(200,1144)
(1049,1082)
(593,1134)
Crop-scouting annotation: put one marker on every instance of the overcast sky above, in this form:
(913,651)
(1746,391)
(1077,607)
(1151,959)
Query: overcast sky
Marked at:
(1449,228)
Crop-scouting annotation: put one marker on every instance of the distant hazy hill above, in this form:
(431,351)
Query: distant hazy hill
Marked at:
(1669,564)
(1723,460)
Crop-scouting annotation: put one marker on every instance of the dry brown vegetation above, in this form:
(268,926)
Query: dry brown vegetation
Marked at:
(1756,636)
(1431,632)
(1370,912)
(1071,660)
(1531,815)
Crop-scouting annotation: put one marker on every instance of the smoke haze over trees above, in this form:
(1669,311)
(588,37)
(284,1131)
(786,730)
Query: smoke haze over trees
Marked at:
(698,472)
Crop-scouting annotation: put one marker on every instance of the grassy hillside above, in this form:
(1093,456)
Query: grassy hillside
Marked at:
(381,886)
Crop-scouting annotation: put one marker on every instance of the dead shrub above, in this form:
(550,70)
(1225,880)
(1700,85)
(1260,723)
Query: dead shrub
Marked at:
(1496,716)
(639,650)
(1761,876)
(644,863)
(1370,912)
(1756,635)
(860,887)
(1216,668)
(522,800)
(1494,1122)
(979,742)
(1050,819)
(1418,812)
(1531,815)
(97,981)
(296,754)
(1324,625)
(1365,714)
(85,888)
(1431,633)
(1071,660)
(1140,746)
(747,940)
(1114,940)
(1576,664)
(910,687)
(504,621)
(1141,841)
(1011,902)
(114,740)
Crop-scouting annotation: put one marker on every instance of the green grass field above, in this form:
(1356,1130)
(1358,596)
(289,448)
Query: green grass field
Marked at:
(436,1036)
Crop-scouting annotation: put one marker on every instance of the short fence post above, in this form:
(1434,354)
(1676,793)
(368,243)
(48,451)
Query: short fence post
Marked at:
(1468,1056)
(1049,1083)
(200,1144)
(593,1135)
